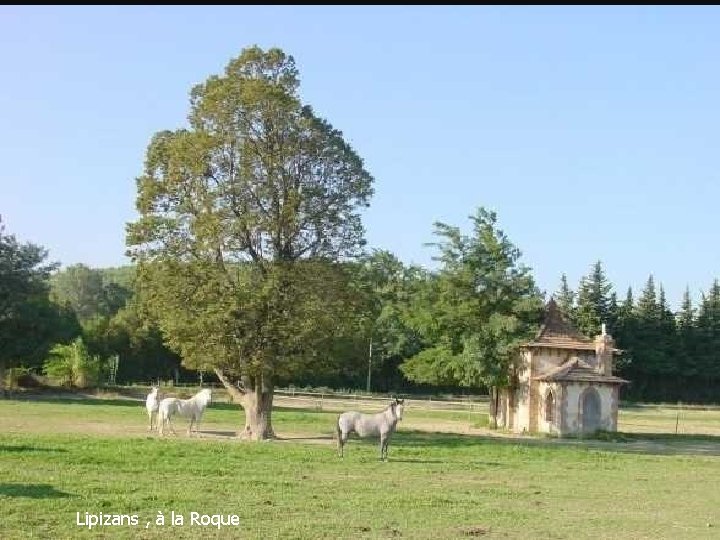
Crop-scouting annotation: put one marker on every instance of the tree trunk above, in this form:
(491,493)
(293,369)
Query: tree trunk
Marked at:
(497,406)
(256,400)
(258,413)
(2,377)
(494,405)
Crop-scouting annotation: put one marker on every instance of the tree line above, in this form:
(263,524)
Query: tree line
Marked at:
(421,324)
(666,355)
(69,324)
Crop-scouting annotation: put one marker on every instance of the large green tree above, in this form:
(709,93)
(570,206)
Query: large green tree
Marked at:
(29,321)
(242,217)
(483,305)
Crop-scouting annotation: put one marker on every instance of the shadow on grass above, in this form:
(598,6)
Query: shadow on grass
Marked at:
(445,440)
(293,410)
(22,448)
(32,491)
(622,436)
(234,435)
(91,401)
(133,403)
(305,438)
(215,433)
(630,443)
(633,443)
(638,443)
(446,461)
(657,443)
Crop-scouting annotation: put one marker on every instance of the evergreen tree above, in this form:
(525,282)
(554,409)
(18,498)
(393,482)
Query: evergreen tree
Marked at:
(650,347)
(647,303)
(708,342)
(566,298)
(624,333)
(666,361)
(593,301)
(613,313)
(687,349)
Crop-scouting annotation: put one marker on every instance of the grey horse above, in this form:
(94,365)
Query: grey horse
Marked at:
(370,425)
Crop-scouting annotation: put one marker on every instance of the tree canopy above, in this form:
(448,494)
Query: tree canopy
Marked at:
(483,305)
(243,216)
(29,321)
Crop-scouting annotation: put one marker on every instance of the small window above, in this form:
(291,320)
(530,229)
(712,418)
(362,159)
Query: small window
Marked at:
(550,407)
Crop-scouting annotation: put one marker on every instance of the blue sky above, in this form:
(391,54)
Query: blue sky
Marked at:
(591,131)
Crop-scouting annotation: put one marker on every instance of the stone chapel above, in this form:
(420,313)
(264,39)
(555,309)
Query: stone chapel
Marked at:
(564,383)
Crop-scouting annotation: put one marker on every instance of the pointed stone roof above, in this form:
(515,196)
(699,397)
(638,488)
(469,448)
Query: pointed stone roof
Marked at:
(578,371)
(559,333)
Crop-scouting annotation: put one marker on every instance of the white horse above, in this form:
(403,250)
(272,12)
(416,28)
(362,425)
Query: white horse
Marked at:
(192,408)
(151,405)
(370,425)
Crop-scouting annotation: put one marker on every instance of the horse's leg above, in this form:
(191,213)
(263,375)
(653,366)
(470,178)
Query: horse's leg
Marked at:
(342,439)
(192,419)
(383,439)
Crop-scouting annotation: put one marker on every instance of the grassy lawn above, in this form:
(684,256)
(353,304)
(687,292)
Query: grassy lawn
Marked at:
(62,457)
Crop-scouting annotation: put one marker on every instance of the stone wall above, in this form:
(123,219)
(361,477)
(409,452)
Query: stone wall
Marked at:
(573,407)
(545,359)
(546,425)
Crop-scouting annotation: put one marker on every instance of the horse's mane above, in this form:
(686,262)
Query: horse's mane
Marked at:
(203,396)
(194,404)
(393,405)
(390,407)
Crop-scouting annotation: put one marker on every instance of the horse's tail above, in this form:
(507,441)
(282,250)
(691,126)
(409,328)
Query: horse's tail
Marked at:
(164,409)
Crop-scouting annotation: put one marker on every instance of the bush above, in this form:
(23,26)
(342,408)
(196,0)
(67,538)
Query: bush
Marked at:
(72,365)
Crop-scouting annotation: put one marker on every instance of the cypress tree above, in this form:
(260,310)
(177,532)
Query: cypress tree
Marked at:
(593,301)
(566,298)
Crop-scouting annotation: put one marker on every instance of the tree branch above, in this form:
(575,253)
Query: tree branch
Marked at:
(237,394)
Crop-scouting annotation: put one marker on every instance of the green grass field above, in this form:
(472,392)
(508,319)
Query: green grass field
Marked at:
(61,457)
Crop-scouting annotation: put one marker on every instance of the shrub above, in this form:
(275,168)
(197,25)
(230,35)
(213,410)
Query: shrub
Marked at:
(72,365)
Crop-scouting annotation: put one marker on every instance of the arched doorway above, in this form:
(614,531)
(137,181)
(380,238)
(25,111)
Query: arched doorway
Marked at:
(550,407)
(590,410)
